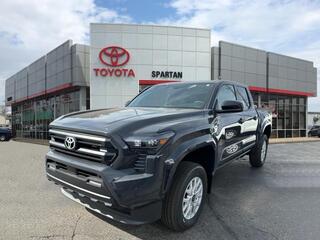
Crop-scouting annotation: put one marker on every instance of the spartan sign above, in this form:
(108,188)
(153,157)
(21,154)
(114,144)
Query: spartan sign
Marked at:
(114,56)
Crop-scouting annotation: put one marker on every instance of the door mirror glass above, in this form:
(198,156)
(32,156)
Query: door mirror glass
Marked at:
(231,106)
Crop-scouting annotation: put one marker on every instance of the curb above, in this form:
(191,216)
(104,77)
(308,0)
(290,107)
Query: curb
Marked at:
(293,140)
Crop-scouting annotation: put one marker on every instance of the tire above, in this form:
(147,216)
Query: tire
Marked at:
(172,212)
(258,155)
(2,138)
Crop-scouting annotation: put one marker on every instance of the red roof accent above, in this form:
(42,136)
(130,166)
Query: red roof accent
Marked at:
(153,82)
(60,87)
(280,91)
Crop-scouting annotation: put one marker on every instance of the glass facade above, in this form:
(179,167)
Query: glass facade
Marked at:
(288,113)
(31,118)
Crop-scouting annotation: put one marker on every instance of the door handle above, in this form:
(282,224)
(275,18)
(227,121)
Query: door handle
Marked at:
(251,118)
(242,120)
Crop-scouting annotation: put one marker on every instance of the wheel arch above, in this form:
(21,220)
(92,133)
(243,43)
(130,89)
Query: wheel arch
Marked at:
(267,130)
(205,155)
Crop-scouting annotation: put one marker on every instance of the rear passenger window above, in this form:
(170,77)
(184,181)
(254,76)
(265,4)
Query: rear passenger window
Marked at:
(226,92)
(242,95)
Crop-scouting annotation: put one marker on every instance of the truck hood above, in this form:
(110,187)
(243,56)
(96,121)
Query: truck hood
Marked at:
(124,119)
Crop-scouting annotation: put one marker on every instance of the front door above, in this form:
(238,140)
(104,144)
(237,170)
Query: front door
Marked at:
(227,126)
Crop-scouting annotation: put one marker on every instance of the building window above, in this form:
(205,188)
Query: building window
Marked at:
(31,119)
(288,114)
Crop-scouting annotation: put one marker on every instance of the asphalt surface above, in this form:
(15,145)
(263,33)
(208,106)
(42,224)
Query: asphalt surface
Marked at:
(279,201)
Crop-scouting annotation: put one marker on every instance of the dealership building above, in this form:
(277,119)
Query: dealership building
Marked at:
(123,59)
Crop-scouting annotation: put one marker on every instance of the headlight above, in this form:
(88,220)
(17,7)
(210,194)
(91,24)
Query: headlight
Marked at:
(149,141)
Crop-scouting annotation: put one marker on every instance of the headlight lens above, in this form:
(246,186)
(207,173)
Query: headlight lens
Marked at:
(150,141)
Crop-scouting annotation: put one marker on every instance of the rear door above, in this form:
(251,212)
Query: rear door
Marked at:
(249,118)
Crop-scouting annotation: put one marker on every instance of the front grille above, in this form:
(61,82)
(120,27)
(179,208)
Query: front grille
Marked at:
(53,165)
(87,146)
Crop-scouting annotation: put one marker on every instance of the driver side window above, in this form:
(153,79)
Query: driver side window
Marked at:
(226,92)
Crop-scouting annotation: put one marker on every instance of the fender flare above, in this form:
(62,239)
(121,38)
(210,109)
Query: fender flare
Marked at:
(266,121)
(265,126)
(174,160)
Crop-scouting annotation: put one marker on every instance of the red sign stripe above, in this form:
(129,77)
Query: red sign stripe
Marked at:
(280,91)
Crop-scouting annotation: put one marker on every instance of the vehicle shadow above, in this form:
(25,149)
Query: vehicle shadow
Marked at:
(230,186)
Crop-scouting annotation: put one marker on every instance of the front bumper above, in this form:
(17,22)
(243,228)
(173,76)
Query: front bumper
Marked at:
(138,216)
(121,195)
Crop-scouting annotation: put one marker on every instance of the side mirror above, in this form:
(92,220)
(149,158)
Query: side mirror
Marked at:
(230,106)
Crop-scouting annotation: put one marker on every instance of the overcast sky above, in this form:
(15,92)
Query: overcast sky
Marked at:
(29,29)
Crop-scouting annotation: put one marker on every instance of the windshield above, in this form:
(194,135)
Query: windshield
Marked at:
(193,95)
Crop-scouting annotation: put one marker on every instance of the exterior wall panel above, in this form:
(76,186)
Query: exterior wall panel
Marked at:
(80,64)
(54,70)
(21,84)
(36,77)
(243,64)
(215,63)
(58,67)
(151,48)
(10,90)
(290,73)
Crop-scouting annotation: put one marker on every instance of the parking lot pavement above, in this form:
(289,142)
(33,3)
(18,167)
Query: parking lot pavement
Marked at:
(279,201)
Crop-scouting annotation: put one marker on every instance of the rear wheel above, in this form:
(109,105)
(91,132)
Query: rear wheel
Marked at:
(2,138)
(258,155)
(185,199)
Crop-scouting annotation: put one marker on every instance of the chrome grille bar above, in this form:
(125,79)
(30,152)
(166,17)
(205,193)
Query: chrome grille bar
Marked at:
(80,150)
(78,135)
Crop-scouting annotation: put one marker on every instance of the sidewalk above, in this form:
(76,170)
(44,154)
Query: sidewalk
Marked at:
(294,140)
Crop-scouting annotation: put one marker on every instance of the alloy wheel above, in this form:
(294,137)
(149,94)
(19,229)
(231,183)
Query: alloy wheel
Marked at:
(263,150)
(192,198)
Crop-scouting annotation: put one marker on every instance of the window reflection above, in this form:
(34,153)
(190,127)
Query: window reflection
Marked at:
(31,119)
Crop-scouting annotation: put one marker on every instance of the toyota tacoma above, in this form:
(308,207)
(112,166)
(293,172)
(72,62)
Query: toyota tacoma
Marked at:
(155,158)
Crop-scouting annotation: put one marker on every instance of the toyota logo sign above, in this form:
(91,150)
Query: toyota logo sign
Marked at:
(114,56)
(70,143)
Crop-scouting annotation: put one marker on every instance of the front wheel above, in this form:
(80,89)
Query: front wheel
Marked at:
(258,155)
(185,199)
(2,138)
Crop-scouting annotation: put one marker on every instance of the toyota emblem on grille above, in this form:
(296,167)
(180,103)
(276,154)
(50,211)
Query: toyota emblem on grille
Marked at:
(70,143)
(114,56)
